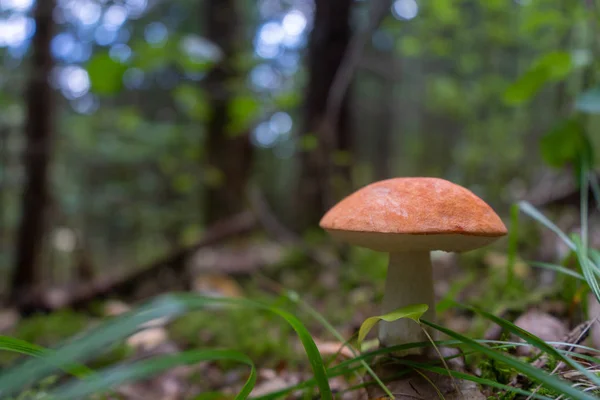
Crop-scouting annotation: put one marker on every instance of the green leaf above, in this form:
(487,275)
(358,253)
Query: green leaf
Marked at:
(524,88)
(183,183)
(542,19)
(409,46)
(287,100)
(414,312)
(342,158)
(309,142)
(129,119)
(445,12)
(589,101)
(243,111)
(558,64)
(190,64)
(112,377)
(551,67)
(195,65)
(149,57)
(106,74)
(213,177)
(566,143)
(192,101)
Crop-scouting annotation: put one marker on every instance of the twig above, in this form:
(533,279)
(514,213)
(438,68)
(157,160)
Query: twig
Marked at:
(349,64)
(282,234)
(574,337)
(379,68)
(341,83)
(172,263)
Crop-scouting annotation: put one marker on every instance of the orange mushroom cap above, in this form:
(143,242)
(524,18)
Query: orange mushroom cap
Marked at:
(414,214)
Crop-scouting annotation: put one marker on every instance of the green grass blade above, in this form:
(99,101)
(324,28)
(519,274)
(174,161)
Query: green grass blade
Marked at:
(80,349)
(472,378)
(314,356)
(589,269)
(595,256)
(293,296)
(348,366)
(533,212)
(537,342)
(557,268)
(543,377)
(581,246)
(108,333)
(15,345)
(113,377)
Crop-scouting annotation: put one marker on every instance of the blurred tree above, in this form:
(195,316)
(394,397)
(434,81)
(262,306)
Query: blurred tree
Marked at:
(4,165)
(385,121)
(325,144)
(229,153)
(38,133)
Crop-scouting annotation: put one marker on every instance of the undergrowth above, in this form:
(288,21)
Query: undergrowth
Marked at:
(259,330)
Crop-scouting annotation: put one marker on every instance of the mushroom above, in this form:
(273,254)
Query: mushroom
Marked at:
(408,218)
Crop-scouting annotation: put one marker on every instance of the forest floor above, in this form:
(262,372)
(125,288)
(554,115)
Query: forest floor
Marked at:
(547,306)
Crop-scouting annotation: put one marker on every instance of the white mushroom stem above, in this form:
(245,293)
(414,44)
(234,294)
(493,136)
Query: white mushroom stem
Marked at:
(409,281)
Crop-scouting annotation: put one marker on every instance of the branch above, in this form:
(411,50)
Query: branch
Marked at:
(343,77)
(282,234)
(341,83)
(174,263)
(379,68)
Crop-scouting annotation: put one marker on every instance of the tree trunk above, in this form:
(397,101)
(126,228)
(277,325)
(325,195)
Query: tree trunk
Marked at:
(4,186)
(383,138)
(229,154)
(38,133)
(319,170)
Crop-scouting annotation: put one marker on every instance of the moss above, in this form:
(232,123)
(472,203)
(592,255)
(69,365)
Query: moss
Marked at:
(46,330)
(263,337)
